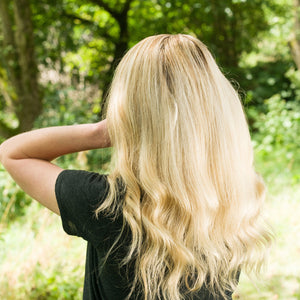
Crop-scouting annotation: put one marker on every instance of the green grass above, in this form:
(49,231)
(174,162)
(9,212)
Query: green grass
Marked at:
(39,261)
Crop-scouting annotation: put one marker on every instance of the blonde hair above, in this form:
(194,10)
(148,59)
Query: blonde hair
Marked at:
(182,150)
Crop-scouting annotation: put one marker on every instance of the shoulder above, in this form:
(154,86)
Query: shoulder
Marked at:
(82,184)
(79,193)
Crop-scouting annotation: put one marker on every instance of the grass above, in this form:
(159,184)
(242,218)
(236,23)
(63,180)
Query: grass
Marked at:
(39,261)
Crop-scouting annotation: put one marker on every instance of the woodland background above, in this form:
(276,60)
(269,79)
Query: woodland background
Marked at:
(56,63)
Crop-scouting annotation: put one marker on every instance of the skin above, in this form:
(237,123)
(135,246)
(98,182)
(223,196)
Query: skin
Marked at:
(27,157)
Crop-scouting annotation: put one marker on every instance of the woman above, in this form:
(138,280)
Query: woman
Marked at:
(179,215)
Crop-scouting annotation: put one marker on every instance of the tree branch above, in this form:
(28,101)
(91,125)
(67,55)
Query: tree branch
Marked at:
(115,14)
(75,17)
(126,6)
(102,32)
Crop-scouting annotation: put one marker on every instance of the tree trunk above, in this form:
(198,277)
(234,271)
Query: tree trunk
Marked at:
(20,64)
(10,52)
(10,63)
(120,46)
(30,104)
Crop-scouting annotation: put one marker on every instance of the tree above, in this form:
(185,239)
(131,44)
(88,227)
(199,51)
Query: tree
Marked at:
(228,27)
(118,12)
(20,66)
(91,36)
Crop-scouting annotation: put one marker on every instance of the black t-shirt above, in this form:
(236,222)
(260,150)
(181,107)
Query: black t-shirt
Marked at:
(78,195)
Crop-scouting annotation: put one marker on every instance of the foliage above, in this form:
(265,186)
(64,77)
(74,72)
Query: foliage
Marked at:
(277,139)
(264,80)
(33,262)
(85,39)
(227,27)
(75,46)
(12,200)
(278,128)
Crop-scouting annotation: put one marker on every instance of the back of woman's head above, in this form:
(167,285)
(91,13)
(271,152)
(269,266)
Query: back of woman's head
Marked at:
(183,152)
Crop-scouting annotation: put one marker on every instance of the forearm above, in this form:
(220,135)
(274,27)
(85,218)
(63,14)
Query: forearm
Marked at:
(50,143)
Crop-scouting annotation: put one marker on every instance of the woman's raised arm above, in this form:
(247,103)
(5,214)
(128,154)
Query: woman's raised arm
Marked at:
(27,156)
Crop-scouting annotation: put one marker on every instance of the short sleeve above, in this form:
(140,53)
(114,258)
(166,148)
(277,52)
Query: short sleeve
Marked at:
(78,194)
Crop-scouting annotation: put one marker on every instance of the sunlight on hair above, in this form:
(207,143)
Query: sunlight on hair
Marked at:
(183,153)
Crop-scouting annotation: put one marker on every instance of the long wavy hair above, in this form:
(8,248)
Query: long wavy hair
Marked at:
(182,150)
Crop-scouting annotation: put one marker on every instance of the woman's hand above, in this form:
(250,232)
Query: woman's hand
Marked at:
(27,156)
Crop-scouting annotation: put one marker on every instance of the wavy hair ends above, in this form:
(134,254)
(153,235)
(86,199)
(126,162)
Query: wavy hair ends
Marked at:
(182,149)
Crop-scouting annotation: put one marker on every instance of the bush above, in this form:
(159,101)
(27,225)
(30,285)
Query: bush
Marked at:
(276,137)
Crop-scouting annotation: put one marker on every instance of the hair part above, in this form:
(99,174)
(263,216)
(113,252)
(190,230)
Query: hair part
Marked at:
(183,152)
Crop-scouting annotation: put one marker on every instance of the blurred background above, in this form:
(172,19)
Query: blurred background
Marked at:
(56,62)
